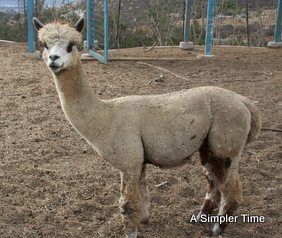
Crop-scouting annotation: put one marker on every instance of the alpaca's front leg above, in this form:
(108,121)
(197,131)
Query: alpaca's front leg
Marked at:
(131,202)
(145,197)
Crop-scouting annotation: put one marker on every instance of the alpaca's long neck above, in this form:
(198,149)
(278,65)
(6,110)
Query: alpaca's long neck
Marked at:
(84,110)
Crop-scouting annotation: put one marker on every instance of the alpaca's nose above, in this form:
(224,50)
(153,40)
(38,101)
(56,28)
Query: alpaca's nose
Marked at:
(54,57)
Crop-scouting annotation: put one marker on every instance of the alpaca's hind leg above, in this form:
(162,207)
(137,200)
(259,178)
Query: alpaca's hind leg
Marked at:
(225,186)
(231,197)
(212,196)
(133,202)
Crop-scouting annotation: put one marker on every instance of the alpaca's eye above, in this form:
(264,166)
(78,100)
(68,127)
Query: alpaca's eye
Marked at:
(70,46)
(45,45)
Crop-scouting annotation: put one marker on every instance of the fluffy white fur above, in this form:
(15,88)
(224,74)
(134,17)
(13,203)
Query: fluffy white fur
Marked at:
(59,32)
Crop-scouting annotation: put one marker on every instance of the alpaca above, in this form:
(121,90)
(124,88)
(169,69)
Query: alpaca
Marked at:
(164,130)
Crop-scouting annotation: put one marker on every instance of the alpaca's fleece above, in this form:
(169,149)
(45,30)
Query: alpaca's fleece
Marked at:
(57,31)
(164,130)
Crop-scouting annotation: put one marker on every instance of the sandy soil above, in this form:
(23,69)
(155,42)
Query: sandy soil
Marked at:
(53,184)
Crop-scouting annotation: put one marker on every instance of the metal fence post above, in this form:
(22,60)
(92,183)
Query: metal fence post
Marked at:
(209,27)
(185,45)
(277,31)
(90,25)
(30,34)
(106,31)
(187,19)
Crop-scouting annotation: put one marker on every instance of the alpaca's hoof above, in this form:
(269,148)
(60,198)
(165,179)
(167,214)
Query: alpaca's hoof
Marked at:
(217,230)
(199,221)
(145,221)
(131,235)
(145,217)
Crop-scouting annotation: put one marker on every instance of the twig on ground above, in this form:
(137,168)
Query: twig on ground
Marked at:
(217,81)
(165,70)
(269,73)
(161,184)
(157,80)
(11,95)
(150,48)
(271,129)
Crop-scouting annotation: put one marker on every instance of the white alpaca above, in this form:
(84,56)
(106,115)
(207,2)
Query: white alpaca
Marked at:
(164,130)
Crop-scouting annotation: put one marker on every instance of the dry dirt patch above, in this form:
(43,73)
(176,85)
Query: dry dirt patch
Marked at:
(53,184)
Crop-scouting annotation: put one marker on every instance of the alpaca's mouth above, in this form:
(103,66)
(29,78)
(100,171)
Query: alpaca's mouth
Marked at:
(55,68)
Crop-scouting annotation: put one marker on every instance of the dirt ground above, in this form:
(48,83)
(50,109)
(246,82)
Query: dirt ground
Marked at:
(53,184)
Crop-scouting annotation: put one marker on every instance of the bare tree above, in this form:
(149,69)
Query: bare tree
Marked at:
(162,16)
(39,6)
(198,5)
(118,24)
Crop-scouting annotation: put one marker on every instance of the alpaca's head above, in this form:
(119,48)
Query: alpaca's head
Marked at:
(59,40)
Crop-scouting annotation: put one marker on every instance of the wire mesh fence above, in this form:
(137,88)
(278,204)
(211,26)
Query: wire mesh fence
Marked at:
(145,23)
(256,29)
(98,20)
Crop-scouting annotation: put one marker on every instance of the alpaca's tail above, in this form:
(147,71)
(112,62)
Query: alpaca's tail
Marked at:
(255,120)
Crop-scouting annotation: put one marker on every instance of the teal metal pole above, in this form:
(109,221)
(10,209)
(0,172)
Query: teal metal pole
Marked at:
(30,34)
(187,19)
(209,27)
(90,25)
(277,30)
(106,31)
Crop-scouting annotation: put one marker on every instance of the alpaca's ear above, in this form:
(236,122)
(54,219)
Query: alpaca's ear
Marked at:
(37,24)
(79,26)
